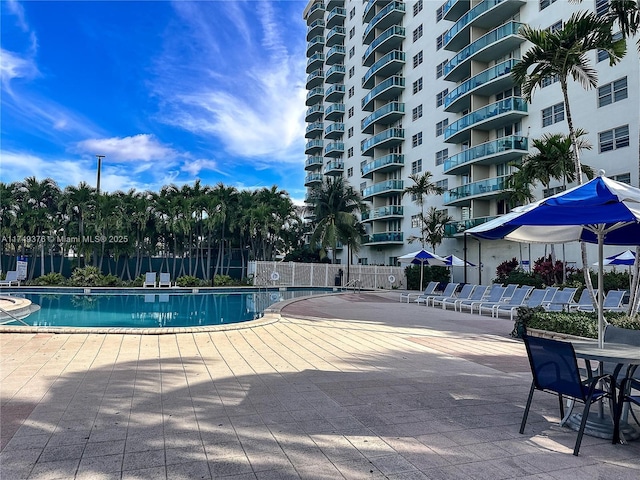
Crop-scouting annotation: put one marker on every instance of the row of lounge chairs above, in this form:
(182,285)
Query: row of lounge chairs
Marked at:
(499,299)
(150,280)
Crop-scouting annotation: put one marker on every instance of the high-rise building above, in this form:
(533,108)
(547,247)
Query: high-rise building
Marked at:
(403,87)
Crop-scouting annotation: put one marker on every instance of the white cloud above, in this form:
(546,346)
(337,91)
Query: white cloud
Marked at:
(141,147)
(13,66)
(194,167)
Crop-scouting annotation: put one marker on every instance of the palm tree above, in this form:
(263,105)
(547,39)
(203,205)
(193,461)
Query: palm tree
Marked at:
(433,227)
(422,187)
(563,53)
(334,204)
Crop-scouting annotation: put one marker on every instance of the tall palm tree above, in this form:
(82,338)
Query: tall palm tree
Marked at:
(421,188)
(433,227)
(334,204)
(563,54)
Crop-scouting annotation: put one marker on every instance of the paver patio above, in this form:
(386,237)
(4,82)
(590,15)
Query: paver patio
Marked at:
(354,386)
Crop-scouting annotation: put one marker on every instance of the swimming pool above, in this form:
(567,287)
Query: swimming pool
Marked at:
(152,310)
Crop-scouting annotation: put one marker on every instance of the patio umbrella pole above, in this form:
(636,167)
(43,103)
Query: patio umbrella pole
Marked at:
(600,286)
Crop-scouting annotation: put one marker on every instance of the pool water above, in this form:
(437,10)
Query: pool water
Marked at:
(151,310)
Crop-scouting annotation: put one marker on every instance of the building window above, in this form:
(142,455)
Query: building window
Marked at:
(623,178)
(440,126)
(352,92)
(350,112)
(555,27)
(612,92)
(440,69)
(350,132)
(416,221)
(417,33)
(546,81)
(363,260)
(553,114)
(416,140)
(545,3)
(352,13)
(352,52)
(417,113)
(613,139)
(417,7)
(417,85)
(352,71)
(439,13)
(440,97)
(440,42)
(444,184)
(416,167)
(417,59)
(352,32)
(602,7)
(363,185)
(441,156)
(602,54)
(350,152)
(350,172)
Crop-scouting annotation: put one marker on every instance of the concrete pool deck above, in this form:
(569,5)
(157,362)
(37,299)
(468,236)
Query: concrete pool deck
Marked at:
(353,386)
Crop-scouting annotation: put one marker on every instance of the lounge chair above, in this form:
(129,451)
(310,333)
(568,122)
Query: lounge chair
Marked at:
(585,301)
(478,294)
(165,280)
(149,280)
(430,290)
(535,299)
(495,295)
(464,294)
(449,290)
(10,279)
(517,300)
(561,300)
(612,302)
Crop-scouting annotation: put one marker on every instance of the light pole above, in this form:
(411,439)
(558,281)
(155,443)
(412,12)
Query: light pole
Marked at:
(99,157)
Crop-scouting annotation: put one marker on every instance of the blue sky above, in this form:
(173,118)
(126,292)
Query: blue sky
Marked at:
(169,92)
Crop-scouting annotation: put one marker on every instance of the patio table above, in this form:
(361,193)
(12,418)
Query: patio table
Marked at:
(599,424)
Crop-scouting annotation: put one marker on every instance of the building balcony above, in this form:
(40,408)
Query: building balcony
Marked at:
(312,179)
(387,163)
(389,15)
(315,28)
(454,9)
(315,45)
(383,189)
(315,12)
(313,163)
(509,110)
(485,189)
(314,113)
(315,62)
(314,130)
(336,16)
(388,238)
(485,15)
(385,90)
(388,65)
(334,168)
(383,213)
(313,147)
(388,40)
(502,150)
(315,79)
(494,79)
(315,95)
(334,93)
(385,115)
(370,10)
(335,111)
(334,149)
(495,44)
(335,130)
(335,55)
(335,74)
(453,229)
(330,4)
(385,139)
(336,36)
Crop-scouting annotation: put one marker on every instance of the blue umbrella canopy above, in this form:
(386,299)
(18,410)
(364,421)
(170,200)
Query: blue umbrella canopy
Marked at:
(453,261)
(600,211)
(623,258)
(422,258)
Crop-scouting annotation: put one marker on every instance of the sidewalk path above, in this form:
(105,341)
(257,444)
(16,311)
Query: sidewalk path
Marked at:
(353,386)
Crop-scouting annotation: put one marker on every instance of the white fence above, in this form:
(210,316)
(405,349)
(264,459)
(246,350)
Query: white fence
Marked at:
(268,274)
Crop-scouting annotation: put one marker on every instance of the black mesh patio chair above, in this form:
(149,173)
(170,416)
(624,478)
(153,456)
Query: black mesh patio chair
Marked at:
(555,370)
(629,393)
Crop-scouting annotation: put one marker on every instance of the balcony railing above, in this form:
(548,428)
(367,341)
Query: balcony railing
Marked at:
(314,112)
(336,16)
(386,237)
(334,130)
(313,145)
(389,88)
(458,227)
(386,187)
(388,163)
(314,28)
(335,54)
(314,129)
(334,168)
(335,35)
(369,10)
(335,74)
(334,111)
(334,149)
(312,178)
(391,112)
(387,137)
(467,18)
(388,211)
(313,162)
(314,45)
(316,11)
(335,92)
(387,15)
(315,78)
(315,61)
(452,9)
(489,186)
(393,31)
(482,116)
(513,143)
(392,62)
(314,96)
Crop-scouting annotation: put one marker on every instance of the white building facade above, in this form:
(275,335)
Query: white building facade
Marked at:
(402,87)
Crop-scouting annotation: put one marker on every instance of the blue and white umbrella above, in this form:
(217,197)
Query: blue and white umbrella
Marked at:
(600,211)
(623,258)
(453,261)
(422,258)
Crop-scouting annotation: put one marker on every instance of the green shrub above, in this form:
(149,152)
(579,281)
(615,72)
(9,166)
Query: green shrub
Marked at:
(520,277)
(49,279)
(189,281)
(111,281)
(86,277)
(223,280)
(431,273)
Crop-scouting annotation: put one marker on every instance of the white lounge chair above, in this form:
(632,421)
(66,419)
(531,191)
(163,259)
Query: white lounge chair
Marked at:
(10,279)
(465,293)
(478,294)
(149,280)
(449,290)
(165,280)
(612,302)
(430,290)
(517,300)
(561,300)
